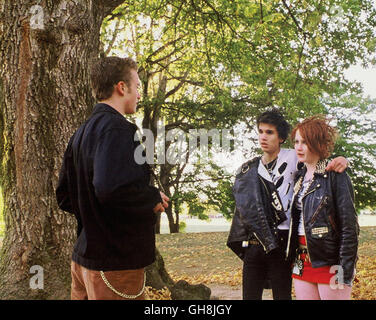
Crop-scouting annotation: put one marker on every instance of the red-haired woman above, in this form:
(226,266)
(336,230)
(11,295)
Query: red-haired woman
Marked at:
(324,228)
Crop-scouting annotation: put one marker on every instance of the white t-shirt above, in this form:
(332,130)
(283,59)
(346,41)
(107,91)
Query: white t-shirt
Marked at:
(283,176)
(299,205)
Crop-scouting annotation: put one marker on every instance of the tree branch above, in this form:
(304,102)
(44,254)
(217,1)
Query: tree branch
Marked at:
(163,58)
(181,83)
(299,64)
(228,24)
(107,6)
(208,179)
(194,83)
(304,41)
(160,49)
(292,16)
(164,67)
(112,41)
(188,116)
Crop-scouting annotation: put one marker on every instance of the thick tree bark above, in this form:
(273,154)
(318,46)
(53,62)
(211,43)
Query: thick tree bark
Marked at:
(45,54)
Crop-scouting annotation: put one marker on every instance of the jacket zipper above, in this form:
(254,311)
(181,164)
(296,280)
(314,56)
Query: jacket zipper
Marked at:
(308,193)
(259,241)
(288,238)
(305,233)
(266,188)
(290,229)
(322,203)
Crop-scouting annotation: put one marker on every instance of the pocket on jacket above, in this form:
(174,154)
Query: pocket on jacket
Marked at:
(320,232)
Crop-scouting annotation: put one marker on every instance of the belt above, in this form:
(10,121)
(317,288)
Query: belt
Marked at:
(250,242)
(254,242)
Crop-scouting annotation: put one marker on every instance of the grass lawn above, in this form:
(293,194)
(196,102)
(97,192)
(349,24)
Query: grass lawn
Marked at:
(204,258)
(200,257)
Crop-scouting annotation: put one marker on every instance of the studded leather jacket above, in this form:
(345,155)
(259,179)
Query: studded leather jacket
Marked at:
(330,221)
(253,217)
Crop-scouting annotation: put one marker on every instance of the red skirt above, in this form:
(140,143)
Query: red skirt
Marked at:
(310,274)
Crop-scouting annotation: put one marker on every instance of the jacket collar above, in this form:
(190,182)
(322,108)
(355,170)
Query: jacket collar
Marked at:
(251,164)
(320,167)
(103,107)
(319,170)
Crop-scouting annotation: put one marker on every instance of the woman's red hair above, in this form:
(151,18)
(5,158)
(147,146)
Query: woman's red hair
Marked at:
(319,136)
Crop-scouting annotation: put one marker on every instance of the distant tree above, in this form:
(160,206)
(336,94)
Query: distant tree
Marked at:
(356,121)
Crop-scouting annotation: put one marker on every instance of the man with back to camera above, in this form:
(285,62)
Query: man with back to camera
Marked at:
(109,193)
(263,191)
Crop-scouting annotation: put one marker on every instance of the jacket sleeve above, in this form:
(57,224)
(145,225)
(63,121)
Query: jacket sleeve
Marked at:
(348,224)
(248,201)
(120,183)
(251,208)
(63,196)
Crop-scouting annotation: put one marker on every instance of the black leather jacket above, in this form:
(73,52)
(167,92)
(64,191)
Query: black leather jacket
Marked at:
(330,221)
(253,217)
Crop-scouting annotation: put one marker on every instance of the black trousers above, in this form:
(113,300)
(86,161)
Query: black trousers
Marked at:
(260,267)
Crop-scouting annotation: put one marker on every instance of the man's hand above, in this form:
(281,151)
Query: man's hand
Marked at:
(338,164)
(165,199)
(160,207)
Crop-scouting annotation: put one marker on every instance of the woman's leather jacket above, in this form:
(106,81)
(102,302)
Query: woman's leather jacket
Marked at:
(253,217)
(330,221)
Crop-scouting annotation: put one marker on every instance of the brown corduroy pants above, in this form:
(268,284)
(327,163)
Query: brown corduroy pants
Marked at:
(89,285)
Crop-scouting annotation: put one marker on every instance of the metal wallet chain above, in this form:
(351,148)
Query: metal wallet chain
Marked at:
(123,295)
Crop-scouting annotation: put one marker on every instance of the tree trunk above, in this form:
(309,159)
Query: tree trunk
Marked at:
(173,225)
(45,54)
(158,224)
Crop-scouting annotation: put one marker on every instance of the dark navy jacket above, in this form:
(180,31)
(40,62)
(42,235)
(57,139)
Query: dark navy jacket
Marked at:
(109,194)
